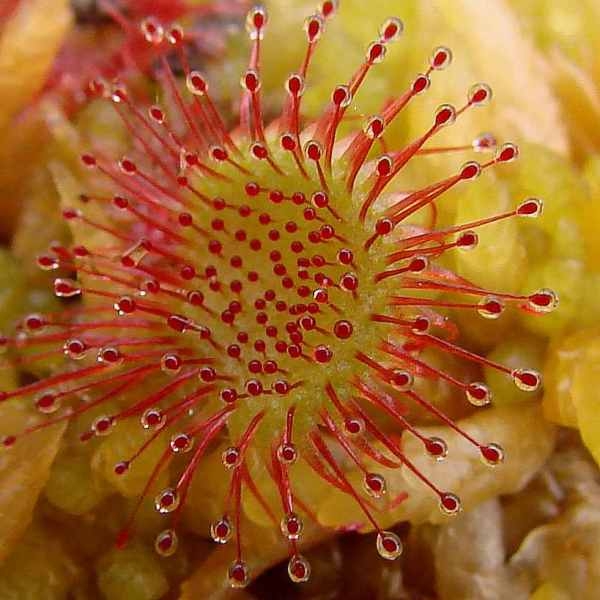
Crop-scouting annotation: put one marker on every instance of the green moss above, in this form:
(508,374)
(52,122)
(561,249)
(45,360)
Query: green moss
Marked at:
(520,351)
(72,486)
(39,567)
(134,573)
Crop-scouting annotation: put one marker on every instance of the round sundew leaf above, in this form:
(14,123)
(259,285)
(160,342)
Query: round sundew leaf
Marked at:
(258,438)
(24,470)
(586,379)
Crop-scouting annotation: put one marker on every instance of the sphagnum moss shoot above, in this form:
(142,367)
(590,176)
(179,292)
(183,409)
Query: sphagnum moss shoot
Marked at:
(248,285)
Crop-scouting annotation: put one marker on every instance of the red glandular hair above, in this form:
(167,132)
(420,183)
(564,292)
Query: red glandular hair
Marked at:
(250,285)
(109,43)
